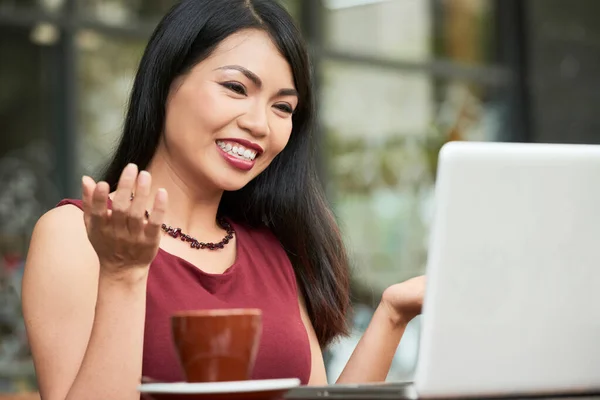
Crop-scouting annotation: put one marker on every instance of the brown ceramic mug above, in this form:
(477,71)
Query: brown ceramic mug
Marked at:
(217,345)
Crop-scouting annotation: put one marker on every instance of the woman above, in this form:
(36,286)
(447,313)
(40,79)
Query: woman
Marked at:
(220,118)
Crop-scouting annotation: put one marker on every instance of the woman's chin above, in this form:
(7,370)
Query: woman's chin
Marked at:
(232,185)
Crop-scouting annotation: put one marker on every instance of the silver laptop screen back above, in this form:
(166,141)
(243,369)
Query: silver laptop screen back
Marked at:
(513,298)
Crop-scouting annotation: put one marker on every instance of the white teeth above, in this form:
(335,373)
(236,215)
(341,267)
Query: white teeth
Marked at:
(237,150)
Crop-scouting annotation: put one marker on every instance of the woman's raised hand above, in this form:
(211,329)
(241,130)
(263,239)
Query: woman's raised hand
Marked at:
(125,240)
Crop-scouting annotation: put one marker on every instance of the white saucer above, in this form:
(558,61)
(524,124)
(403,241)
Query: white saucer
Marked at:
(214,388)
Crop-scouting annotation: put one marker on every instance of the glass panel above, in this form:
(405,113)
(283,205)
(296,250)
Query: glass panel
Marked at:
(28,188)
(381,151)
(123,11)
(412,30)
(397,29)
(45,5)
(7,4)
(293,7)
(105,75)
(120,12)
(466,31)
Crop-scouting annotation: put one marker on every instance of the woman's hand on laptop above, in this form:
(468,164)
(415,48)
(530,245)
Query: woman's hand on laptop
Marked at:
(404,301)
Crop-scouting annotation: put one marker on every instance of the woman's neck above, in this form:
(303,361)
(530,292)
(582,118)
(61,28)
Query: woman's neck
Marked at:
(191,205)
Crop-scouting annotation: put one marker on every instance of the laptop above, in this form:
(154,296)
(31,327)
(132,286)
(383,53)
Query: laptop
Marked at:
(513,299)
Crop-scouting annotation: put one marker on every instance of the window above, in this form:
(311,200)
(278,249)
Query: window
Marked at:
(399,78)
(398,82)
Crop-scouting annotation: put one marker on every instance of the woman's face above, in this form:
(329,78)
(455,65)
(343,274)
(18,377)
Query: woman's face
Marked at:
(229,117)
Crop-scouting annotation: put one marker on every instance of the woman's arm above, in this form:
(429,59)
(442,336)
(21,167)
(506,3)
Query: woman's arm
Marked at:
(373,355)
(84,290)
(85,329)
(372,358)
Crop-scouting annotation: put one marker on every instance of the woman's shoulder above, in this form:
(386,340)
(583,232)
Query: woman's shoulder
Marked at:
(66,215)
(59,245)
(62,222)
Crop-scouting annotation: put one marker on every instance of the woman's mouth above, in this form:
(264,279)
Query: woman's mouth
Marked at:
(235,149)
(237,155)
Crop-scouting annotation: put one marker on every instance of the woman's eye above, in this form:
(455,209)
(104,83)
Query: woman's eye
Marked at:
(285,108)
(235,87)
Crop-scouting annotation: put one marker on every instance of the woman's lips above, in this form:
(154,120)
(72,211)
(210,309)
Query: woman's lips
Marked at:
(236,160)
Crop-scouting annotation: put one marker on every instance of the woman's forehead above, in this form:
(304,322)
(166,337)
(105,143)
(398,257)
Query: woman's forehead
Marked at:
(253,50)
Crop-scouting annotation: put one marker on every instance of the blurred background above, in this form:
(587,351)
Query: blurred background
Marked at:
(396,80)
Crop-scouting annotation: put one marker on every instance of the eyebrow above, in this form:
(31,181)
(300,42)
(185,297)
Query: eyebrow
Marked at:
(257,81)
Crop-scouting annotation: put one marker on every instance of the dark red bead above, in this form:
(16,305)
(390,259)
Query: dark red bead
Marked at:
(220,245)
(225,240)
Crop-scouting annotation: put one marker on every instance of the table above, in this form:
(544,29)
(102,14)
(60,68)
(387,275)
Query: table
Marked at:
(401,392)
(19,396)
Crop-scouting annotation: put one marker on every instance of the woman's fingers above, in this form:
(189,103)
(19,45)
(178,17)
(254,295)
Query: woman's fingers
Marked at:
(121,236)
(87,192)
(137,210)
(122,199)
(99,206)
(157,215)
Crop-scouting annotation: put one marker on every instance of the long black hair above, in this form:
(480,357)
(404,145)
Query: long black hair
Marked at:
(287,197)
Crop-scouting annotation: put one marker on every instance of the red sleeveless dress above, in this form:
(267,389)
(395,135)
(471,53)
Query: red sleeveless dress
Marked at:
(261,277)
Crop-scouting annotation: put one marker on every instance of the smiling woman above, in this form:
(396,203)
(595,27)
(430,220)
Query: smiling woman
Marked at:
(243,93)
(218,143)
